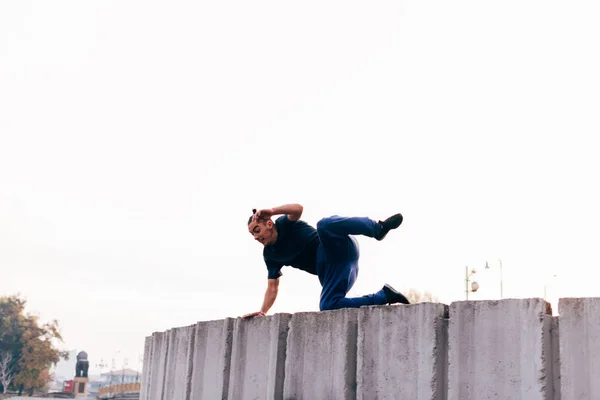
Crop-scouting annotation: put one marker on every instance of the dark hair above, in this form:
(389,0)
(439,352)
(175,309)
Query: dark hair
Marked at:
(250,219)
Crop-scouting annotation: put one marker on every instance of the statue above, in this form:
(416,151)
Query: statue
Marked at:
(81,369)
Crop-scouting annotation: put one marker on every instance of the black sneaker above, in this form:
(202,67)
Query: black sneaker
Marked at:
(393,296)
(391,223)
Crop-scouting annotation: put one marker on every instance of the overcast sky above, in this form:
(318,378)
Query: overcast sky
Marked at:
(136,137)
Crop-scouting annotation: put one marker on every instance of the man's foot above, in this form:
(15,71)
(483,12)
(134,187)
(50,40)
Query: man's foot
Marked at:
(393,296)
(391,223)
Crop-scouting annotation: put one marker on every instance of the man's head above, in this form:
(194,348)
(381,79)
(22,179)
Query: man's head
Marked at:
(263,231)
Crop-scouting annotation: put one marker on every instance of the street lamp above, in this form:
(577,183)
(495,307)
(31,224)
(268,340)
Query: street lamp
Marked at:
(487,266)
(474,285)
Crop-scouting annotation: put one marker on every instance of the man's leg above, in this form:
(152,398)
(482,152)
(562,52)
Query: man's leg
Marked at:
(337,278)
(334,228)
(338,256)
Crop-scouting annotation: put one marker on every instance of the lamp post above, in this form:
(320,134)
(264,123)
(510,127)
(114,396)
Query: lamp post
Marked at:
(474,285)
(487,266)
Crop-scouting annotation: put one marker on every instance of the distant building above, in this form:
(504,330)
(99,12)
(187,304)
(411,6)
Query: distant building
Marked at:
(110,380)
(121,376)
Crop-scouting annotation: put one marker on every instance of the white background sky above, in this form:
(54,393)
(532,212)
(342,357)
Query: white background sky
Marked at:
(136,137)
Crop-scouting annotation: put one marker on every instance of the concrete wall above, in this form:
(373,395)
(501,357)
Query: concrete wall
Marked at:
(258,355)
(158,344)
(402,352)
(146,369)
(211,360)
(579,348)
(508,349)
(188,363)
(178,362)
(321,356)
(499,349)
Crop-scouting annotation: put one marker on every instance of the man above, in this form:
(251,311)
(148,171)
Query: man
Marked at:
(330,252)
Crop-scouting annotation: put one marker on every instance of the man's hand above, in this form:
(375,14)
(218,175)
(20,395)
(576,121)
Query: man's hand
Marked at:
(264,214)
(254,314)
(293,211)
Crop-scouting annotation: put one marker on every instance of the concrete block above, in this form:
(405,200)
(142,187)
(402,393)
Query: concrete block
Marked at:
(158,360)
(554,343)
(402,352)
(146,369)
(499,350)
(179,363)
(258,357)
(321,356)
(579,348)
(211,360)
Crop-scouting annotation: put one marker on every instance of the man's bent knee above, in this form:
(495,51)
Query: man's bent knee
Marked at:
(328,305)
(324,224)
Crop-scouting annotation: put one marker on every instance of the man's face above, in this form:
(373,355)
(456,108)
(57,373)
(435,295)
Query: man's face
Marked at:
(262,231)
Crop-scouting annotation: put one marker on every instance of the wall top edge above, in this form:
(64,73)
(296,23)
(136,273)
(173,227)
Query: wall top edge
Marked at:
(349,310)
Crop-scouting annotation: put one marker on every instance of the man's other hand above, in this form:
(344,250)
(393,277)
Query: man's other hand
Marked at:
(264,214)
(254,314)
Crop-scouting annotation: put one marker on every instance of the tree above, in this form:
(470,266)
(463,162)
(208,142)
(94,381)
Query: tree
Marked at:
(37,355)
(416,297)
(11,319)
(30,343)
(6,370)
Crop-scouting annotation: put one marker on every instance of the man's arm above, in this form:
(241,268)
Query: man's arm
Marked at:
(270,296)
(293,211)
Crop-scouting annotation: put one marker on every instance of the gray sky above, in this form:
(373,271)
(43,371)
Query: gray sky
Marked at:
(136,137)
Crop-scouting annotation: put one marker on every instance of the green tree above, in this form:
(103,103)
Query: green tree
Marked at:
(31,344)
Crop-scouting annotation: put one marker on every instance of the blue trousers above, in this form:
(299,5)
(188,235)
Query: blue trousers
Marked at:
(337,261)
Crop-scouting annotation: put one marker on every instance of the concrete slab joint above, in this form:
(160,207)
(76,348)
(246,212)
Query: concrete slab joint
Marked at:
(157,368)
(211,360)
(178,365)
(258,357)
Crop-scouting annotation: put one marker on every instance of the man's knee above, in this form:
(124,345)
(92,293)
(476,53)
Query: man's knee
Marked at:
(328,304)
(325,306)
(324,224)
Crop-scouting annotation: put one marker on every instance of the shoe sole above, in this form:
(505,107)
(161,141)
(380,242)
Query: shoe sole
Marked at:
(392,227)
(399,222)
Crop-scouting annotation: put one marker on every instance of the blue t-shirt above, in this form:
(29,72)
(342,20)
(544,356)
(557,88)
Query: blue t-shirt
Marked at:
(296,246)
